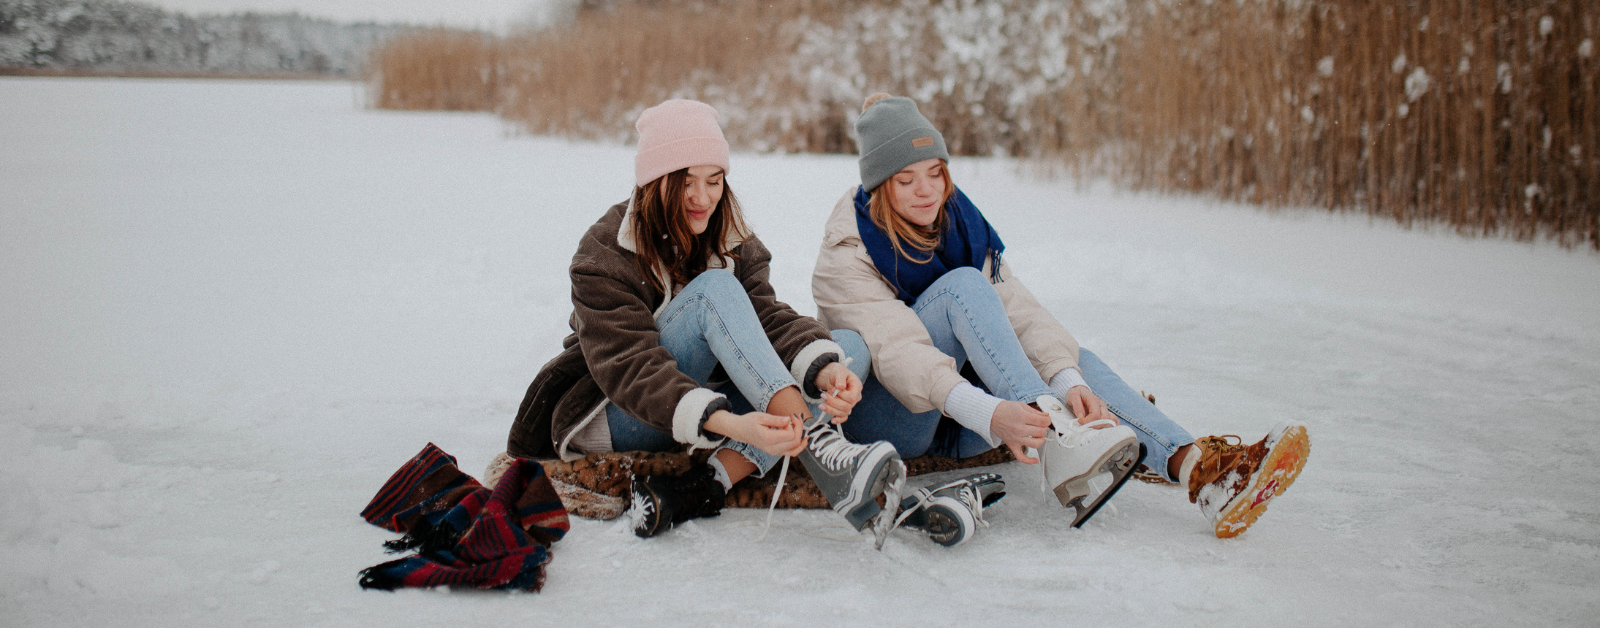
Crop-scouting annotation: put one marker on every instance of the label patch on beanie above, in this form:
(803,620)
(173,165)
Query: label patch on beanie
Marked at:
(922,142)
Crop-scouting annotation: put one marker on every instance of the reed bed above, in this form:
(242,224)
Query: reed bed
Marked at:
(437,69)
(1479,114)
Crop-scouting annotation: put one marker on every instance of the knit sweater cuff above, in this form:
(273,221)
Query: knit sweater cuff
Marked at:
(973,409)
(1064,380)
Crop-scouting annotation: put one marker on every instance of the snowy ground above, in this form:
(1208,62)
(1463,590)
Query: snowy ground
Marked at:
(233,308)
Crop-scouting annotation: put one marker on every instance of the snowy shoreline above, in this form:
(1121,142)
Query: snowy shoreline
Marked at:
(234,307)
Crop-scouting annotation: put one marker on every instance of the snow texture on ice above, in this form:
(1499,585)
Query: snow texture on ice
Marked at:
(233,308)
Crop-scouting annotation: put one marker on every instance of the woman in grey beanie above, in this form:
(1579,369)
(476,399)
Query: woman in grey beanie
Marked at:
(910,263)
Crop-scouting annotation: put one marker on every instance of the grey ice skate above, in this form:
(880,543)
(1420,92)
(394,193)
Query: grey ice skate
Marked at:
(852,476)
(950,513)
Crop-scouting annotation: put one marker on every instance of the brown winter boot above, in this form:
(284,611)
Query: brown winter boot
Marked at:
(1233,482)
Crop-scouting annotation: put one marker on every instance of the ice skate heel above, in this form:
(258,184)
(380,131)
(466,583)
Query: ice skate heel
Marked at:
(1078,495)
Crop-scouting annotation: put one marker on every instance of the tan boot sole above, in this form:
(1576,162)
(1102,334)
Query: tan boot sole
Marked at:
(1276,473)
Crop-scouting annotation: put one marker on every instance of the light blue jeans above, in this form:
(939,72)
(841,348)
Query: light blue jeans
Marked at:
(966,320)
(712,322)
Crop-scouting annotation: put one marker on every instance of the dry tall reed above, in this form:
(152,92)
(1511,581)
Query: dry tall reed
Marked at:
(1477,113)
(1481,114)
(438,69)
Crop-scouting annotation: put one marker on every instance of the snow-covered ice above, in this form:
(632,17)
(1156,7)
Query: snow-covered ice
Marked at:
(233,308)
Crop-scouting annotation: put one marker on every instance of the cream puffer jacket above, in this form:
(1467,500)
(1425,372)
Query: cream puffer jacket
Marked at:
(852,294)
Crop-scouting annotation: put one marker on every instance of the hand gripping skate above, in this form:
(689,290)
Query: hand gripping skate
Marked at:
(950,513)
(1076,454)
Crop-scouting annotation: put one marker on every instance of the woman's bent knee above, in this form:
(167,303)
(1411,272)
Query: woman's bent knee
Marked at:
(715,279)
(964,282)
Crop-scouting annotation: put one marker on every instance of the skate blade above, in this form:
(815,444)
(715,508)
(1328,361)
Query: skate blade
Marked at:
(1277,471)
(884,522)
(1075,489)
(1120,466)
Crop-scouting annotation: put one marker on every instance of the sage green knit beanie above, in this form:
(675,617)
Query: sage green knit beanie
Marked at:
(893,135)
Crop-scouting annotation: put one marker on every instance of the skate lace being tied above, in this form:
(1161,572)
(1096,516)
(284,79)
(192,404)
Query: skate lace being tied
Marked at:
(829,445)
(783,476)
(828,455)
(1068,430)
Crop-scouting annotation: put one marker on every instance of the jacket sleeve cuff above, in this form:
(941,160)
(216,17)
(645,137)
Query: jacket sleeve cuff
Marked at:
(1064,381)
(810,362)
(692,411)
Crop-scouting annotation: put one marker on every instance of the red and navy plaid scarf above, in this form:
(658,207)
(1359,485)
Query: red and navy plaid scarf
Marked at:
(463,533)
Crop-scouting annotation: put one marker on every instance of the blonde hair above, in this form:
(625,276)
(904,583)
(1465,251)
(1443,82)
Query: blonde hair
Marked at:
(925,239)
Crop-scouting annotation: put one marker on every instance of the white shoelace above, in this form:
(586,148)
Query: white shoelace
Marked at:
(1076,431)
(783,475)
(967,495)
(922,498)
(827,453)
(827,444)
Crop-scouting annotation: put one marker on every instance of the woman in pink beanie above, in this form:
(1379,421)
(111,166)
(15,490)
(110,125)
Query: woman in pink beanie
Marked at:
(679,342)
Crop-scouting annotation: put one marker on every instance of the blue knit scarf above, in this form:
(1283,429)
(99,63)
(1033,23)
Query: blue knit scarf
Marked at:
(968,240)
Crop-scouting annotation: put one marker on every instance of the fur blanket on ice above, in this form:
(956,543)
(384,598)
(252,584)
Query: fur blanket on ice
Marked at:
(596,486)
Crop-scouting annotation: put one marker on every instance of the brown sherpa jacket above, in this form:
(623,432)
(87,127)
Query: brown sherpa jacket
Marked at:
(614,351)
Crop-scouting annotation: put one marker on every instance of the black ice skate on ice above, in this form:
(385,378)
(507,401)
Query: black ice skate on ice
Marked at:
(950,513)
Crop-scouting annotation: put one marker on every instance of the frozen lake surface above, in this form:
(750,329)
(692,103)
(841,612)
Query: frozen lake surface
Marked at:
(232,309)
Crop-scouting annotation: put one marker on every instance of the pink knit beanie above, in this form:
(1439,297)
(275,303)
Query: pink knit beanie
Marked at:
(675,135)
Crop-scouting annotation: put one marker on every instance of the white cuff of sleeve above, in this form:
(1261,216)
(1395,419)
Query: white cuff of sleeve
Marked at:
(687,416)
(973,409)
(1064,380)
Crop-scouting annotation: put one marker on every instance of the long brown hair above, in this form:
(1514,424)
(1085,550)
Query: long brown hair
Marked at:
(661,231)
(924,239)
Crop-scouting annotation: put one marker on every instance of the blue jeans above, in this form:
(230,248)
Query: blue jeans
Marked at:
(712,322)
(966,320)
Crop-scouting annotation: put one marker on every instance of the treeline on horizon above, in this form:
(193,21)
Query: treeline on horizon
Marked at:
(1479,114)
(110,37)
